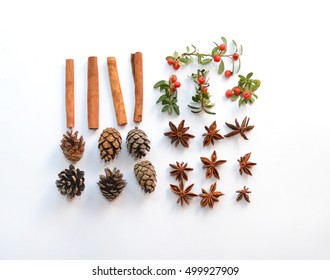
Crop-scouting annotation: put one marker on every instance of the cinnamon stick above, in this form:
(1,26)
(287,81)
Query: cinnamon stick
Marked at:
(93,93)
(117,96)
(69,92)
(137,70)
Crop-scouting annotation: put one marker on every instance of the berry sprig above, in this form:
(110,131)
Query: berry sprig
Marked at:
(202,97)
(170,98)
(245,90)
(218,52)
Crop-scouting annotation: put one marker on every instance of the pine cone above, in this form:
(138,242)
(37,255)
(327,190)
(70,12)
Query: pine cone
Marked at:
(138,143)
(71,182)
(112,184)
(145,173)
(109,143)
(72,147)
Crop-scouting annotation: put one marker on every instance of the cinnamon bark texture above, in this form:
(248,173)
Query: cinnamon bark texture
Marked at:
(69,92)
(137,70)
(93,93)
(117,96)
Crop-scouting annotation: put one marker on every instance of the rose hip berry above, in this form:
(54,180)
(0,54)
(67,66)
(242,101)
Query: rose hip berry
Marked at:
(217,58)
(173,78)
(235,56)
(246,94)
(172,88)
(177,84)
(176,65)
(228,73)
(170,61)
(237,90)
(229,93)
(222,47)
(201,80)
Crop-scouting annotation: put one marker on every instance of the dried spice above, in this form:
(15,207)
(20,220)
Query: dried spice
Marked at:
(72,147)
(180,171)
(212,134)
(71,182)
(145,174)
(211,165)
(240,129)
(209,198)
(184,194)
(109,144)
(137,142)
(179,135)
(243,193)
(245,164)
(112,184)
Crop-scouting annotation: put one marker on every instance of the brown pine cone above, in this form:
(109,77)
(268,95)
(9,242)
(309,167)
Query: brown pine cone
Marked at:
(109,144)
(112,184)
(72,147)
(137,142)
(145,174)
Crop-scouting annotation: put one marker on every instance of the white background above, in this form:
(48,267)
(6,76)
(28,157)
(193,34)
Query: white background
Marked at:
(285,45)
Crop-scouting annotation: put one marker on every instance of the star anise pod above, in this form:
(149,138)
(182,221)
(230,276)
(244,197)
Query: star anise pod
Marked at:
(211,165)
(184,194)
(241,129)
(179,170)
(243,193)
(178,134)
(209,198)
(212,134)
(245,164)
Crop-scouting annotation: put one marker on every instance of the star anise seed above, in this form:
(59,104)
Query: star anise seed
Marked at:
(211,165)
(241,129)
(178,134)
(245,164)
(179,170)
(243,193)
(184,195)
(209,198)
(212,134)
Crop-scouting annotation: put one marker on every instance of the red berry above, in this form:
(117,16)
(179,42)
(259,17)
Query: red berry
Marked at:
(204,90)
(246,94)
(237,90)
(173,78)
(176,65)
(170,61)
(235,56)
(177,84)
(217,58)
(201,80)
(228,73)
(222,47)
(229,93)
(172,88)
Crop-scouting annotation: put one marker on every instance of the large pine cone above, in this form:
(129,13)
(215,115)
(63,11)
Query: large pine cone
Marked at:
(137,142)
(109,143)
(71,182)
(72,147)
(145,173)
(112,184)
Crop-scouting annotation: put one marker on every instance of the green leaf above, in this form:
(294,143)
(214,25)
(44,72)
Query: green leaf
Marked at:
(256,96)
(162,98)
(176,54)
(224,40)
(221,67)
(209,105)
(194,98)
(170,109)
(215,50)
(206,61)
(252,100)
(165,108)
(249,75)
(241,49)
(196,111)
(235,44)
(241,77)
(176,109)
(234,97)
(169,57)
(158,84)
(193,107)
(188,49)
(239,65)
(209,112)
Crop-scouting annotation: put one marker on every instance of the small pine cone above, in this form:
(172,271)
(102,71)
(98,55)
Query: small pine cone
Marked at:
(71,182)
(112,184)
(137,142)
(72,147)
(109,143)
(145,174)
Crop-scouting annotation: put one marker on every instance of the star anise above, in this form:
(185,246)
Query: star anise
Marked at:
(179,135)
(179,170)
(241,129)
(209,198)
(184,194)
(212,134)
(211,165)
(245,164)
(243,193)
